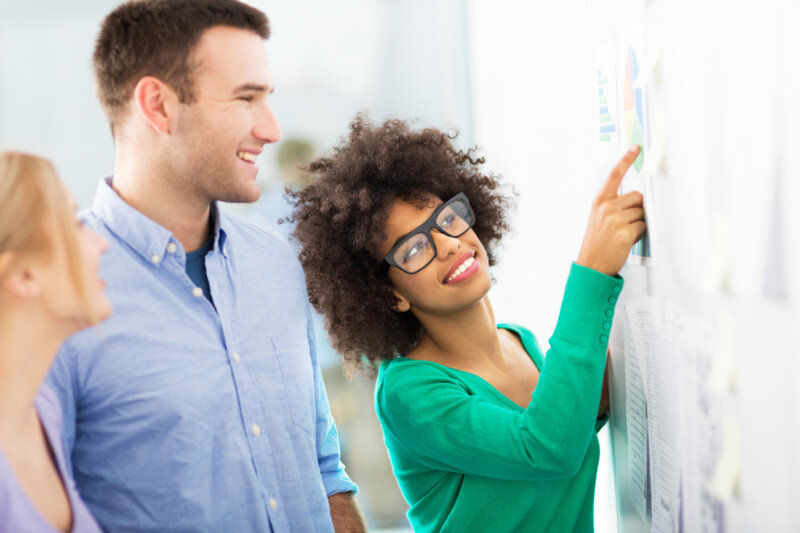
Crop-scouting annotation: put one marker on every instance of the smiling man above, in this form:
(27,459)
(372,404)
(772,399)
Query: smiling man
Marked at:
(199,406)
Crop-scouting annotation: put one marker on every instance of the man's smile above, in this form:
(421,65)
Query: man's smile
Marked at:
(249,157)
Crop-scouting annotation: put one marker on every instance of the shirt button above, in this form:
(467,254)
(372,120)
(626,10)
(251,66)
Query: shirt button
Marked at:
(255,429)
(235,356)
(171,247)
(603,338)
(612,300)
(609,313)
(616,289)
(197,292)
(273,503)
(606,326)
(156,259)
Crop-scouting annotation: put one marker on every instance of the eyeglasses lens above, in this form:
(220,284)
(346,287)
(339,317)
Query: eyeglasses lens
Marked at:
(414,253)
(455,219)
(417,251)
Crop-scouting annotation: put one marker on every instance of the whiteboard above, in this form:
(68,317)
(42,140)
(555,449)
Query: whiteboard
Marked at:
(704,350)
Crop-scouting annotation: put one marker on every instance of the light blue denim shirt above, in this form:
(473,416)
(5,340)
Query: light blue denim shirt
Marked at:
(180,417)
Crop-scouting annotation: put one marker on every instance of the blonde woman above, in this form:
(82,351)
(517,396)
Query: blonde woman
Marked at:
(49,289)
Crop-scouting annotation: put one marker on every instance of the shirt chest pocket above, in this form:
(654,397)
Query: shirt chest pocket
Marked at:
(298,381)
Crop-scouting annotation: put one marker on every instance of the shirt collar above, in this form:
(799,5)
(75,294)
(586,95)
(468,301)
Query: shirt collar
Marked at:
(144,236)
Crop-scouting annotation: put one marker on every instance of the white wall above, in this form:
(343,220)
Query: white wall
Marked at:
(533,117)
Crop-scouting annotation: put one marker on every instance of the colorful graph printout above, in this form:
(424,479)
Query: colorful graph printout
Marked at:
(606,121)
(634,126)
(633,106)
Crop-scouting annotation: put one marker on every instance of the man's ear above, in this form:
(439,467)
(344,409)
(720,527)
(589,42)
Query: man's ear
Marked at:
(151,98)
(402,304)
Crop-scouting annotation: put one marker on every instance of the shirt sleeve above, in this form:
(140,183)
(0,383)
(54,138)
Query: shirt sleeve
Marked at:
(334,477)
(446,427)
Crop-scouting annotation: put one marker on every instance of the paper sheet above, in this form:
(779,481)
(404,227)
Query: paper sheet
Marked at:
(636,416)
(632,75)
(700,412)
(652,324)
(606,146)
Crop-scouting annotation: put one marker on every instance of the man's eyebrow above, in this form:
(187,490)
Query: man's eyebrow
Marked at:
(247,87)
(401,237)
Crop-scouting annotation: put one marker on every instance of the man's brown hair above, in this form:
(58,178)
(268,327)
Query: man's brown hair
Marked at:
(156,38)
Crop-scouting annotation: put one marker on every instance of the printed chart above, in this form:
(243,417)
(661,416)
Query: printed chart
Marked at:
(633,106)
(633,110)
(606,120)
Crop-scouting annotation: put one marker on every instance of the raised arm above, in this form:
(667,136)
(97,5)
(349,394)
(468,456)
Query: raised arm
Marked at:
(429,410)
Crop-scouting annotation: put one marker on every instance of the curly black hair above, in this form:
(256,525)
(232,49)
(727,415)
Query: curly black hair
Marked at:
(340,225)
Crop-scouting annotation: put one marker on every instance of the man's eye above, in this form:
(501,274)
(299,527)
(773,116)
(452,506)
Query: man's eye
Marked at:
(448,221)
(246,98)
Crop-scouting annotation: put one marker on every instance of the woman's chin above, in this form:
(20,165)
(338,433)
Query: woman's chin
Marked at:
(104,310)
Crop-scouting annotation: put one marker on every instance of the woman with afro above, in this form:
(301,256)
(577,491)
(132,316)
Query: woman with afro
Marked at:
(398,231)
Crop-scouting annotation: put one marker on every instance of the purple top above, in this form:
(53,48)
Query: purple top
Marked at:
(17,513)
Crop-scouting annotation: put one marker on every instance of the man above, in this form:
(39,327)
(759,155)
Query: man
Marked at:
(199,406)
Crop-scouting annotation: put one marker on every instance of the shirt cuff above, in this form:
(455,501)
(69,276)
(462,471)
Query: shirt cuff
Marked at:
(336,482)
(588,307)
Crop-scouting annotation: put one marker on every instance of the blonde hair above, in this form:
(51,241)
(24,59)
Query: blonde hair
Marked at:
(31,196)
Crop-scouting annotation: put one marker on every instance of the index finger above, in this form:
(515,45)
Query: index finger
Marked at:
(611,186)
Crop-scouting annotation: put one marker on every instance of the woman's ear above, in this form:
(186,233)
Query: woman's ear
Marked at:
(402,304)
(21,282)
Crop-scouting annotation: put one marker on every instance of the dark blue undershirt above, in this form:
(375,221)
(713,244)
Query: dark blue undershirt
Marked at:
(196,267)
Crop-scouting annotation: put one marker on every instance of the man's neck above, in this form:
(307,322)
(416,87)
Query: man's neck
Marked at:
(154,195)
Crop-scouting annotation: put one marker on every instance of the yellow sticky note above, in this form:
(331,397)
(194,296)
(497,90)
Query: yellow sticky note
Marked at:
(725,364)
(658,142)
(714,276)
(725,480)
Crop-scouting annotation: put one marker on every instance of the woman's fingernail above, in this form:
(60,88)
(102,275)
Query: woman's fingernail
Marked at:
(634,149)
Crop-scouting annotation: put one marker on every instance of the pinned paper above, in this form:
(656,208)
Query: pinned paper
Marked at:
(658,142)
(653,67)
(724,366)
(725,481)
(636,413)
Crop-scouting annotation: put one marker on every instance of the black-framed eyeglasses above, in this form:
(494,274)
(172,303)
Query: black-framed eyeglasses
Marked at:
(416,250)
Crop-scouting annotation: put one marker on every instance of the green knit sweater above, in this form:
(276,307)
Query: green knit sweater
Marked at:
(469,459)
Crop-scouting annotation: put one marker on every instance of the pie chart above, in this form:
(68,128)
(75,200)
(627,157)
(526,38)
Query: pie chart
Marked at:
(633,106)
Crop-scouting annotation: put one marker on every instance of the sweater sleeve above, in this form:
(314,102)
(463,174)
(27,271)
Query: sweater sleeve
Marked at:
(434,417)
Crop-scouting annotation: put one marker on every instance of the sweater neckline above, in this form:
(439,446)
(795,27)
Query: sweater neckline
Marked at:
(528,344)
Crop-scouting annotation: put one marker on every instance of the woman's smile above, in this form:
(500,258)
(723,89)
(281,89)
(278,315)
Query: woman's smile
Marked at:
(462,269)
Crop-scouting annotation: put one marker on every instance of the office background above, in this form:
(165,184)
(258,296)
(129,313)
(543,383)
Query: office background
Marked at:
(512,78)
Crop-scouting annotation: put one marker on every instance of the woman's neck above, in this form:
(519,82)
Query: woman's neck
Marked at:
(466,338)
(30,342)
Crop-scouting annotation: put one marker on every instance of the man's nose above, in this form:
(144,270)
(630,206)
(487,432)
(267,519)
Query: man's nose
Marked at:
(266,126)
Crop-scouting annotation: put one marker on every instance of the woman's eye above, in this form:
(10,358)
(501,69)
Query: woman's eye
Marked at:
(247,99)
(414,250)
(448,221)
